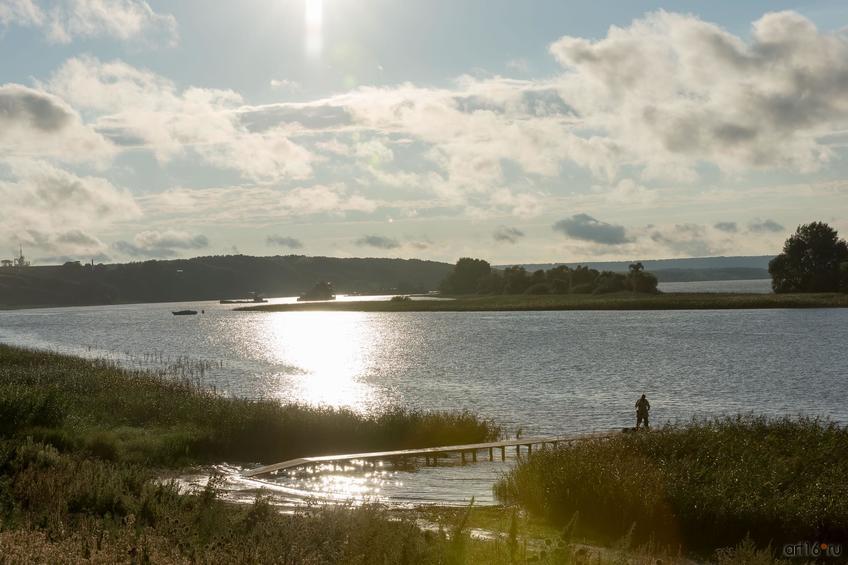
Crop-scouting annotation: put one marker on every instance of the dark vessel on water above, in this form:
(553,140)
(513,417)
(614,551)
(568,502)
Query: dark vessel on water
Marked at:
(185,313)
(255,298)
(321,291)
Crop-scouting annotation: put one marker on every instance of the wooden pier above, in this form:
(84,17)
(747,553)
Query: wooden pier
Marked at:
(432,453)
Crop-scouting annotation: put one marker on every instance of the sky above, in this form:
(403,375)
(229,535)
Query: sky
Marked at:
(518,132)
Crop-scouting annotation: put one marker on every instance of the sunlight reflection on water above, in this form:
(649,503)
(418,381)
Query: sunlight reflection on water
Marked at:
(330,353)
(546,372)
(449,484)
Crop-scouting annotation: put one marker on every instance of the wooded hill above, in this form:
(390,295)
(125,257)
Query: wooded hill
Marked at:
(212,278)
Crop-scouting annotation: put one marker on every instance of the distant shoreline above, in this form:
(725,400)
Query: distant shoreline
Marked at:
(617,301)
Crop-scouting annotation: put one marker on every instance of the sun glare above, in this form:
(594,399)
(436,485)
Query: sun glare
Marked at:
(331,350)
(314,24)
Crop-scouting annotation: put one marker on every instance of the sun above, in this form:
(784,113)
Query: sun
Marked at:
(314,26)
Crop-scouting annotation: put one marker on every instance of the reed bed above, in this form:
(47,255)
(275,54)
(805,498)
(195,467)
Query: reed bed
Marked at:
(705,485)
(160,419)
(82,442)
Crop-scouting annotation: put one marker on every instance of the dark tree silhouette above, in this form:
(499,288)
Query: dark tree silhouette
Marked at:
(516,280)
(812,261)
(639,280)
(212,278)
(475,276)
(466,276)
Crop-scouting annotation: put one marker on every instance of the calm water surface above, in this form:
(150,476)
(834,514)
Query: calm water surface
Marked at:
(543,372)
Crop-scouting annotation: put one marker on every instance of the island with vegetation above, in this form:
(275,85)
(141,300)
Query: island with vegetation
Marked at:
(812,272)
(321,291)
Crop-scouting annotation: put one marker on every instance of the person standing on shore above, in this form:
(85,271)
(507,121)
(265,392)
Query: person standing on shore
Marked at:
(642,409)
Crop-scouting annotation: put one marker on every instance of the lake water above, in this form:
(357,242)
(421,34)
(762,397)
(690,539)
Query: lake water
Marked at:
(543,372)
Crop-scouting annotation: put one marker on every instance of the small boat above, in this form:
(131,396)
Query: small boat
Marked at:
(255,298)
(185,313)
(321,291)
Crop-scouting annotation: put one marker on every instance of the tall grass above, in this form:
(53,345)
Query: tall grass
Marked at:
(63,508)
(704,485)
(81,442)
(76,404)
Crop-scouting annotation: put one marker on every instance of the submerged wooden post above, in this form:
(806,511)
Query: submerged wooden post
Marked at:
(474,456)
(503,453)
(491,454)
(463,457)
(529,448)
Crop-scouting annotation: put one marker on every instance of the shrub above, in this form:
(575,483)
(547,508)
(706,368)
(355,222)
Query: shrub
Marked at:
(538,288)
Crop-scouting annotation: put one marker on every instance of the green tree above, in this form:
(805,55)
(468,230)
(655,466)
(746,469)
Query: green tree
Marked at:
(583,279)
(559,279)
(843,276)
(607,282)
(811,260)
(493,283)
(640,280)
(466,276)
(516,280)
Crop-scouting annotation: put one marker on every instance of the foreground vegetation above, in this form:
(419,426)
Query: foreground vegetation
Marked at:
(616,301)
(82,442)
(702,486)
(82,445)
(97,408)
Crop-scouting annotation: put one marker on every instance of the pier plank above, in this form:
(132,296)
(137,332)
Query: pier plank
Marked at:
(425,451)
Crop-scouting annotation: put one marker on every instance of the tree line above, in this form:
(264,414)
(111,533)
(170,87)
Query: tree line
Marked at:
(476,276)
(213,278)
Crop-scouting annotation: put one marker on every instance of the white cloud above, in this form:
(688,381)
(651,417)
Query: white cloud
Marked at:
(156,244)
(658,100)
(138,107)
(20,12)
(56,211)
(627,191)
(36,123)
(519,65)
(673,90)
(285,85)
(64,20)
(252,205)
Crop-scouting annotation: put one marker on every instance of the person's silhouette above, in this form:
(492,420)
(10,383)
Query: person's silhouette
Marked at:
(642,409)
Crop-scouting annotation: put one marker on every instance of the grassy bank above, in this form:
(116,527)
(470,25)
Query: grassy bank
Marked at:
(704,486)
(81,444)
(617,301)
(80,405)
